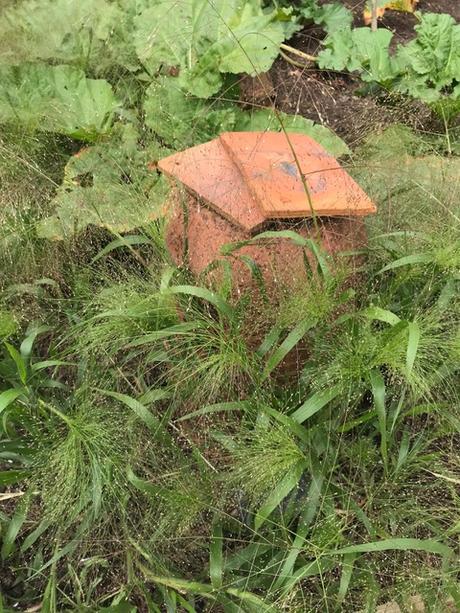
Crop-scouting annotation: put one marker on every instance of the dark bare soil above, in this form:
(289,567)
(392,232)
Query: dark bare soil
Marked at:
(334,99)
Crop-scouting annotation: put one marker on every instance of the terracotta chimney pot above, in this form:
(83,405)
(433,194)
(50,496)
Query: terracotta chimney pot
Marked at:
(242,183)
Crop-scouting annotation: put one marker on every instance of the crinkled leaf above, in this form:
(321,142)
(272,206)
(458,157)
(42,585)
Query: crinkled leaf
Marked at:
(361,50)
(107,185)
(332,17)
(57,30)
(181,119)
(204,39)
(431,61)
(56,99)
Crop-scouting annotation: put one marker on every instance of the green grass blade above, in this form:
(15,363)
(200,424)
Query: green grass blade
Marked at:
(183,329)
(379,314)
(303,526)
(28,343)
(152,422)
(201,292)
(14,526)
(408,260)
(378,392)
(288,422)
(124,241)
(401,544)
(269,340)
(10,477)
(19,361)
(36,534)
(216,556)
(284,487)
(287,345)
(315,403)
(49,364)
(8,397)
(181,585)
(142,485)
(241,405)
(311,569)
(412,345)
(348,564)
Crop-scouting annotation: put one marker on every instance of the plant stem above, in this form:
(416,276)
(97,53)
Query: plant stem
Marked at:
(293,50)
(373,15)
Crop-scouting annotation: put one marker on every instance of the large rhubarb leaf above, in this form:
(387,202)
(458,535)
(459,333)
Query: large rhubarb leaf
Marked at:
(203,39)
(332,17)
(57,30)
(182,120)
(431,62)
(108,185)
(360,50)
(56,99)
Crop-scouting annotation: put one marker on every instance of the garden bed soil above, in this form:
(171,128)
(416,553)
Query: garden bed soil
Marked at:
(333,99)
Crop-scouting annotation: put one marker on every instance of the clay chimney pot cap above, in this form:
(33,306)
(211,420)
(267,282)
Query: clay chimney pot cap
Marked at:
(250,178)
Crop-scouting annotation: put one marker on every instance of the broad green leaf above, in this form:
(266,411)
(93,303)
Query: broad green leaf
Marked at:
(107,185)
(56,99)
(28,342)
(362,50)
(279,493)
(205,39)
(331,17)
(17,358)
(57,30)
(431,62)
(183,120)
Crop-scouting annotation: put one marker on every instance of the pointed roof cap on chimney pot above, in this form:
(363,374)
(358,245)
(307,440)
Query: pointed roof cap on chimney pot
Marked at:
(250,178)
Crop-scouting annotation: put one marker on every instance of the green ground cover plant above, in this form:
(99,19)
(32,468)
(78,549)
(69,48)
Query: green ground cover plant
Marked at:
(156,453)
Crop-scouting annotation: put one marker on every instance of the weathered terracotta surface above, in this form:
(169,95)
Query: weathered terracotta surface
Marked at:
(280,260)
(242,183)
(269,163)
(209,174)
